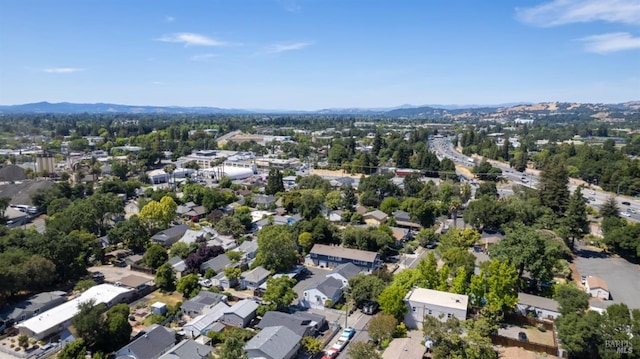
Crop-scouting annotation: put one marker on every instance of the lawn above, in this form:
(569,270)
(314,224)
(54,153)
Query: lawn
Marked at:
(167,298)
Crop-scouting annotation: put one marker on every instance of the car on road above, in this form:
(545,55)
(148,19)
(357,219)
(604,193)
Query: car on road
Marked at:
(631,210)
(340,344)
(626,203)
(48,346)
(522,336)
(370,308)
(626,214)
(348,332)
(330,354)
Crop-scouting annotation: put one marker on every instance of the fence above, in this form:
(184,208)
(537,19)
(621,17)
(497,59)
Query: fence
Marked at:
(511,342)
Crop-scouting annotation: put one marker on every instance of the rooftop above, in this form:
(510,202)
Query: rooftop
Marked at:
(243,308)
(436,297)
(275,342)
(349,253)
(538,302)
(597,282)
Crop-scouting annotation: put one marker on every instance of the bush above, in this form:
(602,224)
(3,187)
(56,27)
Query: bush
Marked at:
(157,318)
(385,343)
(541,328)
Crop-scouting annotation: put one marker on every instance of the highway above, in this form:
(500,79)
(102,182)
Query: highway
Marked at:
(444,149)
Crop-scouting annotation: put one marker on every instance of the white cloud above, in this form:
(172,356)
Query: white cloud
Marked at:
(616,41)
(61,70)
(277,48)
(169,19)
(203,57)
(561,12)
(190,39)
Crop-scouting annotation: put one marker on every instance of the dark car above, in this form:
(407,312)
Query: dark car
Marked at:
(370,308)
(626,203)
(523,337)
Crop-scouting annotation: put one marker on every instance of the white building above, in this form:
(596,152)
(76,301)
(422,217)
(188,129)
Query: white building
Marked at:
(597,287)
(56,319)
(539,307)
(442,305)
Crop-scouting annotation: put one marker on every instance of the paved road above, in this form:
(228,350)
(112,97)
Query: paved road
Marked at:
(360,322)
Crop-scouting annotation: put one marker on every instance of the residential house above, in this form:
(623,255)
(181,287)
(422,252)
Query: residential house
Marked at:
(277,342)
(196,213)
(249,249)
(254,278)
(301,323)
(325,292)
(202,303)
(179,266)
(217,264)
(400,235)
(375,218)
(241,313)
(191,236)
(56,319)
(403,220)
(29,307)
(222,280)
(539,307)
(335,216)
(435,303)
(344,272)
(203,323)
(170,236)
(188,349)
(597,287)
(263,201)
(151,343)
(323,255)
(226,242)
(406,348)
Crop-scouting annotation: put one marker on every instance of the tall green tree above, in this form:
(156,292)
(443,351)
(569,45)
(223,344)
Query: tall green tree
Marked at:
(277,249)
(363,350)
(155,256)
(553,186)
(189,286)
(274,182)
(576,216)
(382,326)
(132,232)
(77,349)
(571,299)
(166,278)
(391,301)
(280,291)
(365,288)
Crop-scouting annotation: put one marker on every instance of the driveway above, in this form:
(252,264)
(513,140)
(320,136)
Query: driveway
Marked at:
(621,276)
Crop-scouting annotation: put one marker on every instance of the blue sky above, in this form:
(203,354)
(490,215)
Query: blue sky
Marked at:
(315,54)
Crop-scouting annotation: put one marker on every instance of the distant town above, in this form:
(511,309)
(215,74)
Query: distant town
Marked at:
(413,232)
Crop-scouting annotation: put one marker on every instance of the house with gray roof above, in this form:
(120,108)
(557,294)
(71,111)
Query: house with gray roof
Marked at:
(539,307)
(277,342)
(254,278)
(218,264)
(191,236)
(263,201)
(179,266)
(327,290)
(201,303)
(188,349)
(375,218)
(202,324)
(170,235)
(323,255)
(151,343)
(241,313)
(299,324)
(248,249)
(30,307)
(222,280)
(344,272)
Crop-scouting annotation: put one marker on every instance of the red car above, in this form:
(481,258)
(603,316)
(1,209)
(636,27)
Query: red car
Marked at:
(330,354)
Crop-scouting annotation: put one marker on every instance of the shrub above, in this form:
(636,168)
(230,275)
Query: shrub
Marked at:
(385,343)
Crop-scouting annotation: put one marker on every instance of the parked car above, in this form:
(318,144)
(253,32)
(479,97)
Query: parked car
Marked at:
(348,332)
(626,203)
(522,336)
(330,354)
(370,308)
(205,283)
(340,344)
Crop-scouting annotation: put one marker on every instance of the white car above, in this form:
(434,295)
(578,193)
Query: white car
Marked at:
(626,214)
(340,344)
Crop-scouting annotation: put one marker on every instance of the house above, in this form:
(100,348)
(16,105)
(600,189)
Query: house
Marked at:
(226,242)
(335,216)
(263,201)
(597,287)
(403,220)
(539,307)
(222,280)
(191,236)
(405,348)
(241,313)
(203,323)
(254,278)
(133,259)
(400,235)
(331,256)
(151,343)
(188,349)
(375,218)
(202,303)
(248,249)
(56,319)
(326,291)
(196,213)
(170,236)
(344,272)
(29,307)
(179,266)
(277,342)
(217,264)
(298,322)
(442,305)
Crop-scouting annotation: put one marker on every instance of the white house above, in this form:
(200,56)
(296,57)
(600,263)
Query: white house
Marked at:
(202,324)
(597,287)
(58,318)
(442,305)
(539,307)
(318,293)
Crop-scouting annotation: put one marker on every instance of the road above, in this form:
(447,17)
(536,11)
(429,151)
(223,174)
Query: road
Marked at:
(444,149)
(360,322)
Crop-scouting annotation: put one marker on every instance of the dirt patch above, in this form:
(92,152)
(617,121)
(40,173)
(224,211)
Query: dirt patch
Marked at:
(166,298)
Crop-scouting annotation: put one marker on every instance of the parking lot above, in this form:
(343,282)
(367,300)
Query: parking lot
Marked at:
(622,277)
(115,274)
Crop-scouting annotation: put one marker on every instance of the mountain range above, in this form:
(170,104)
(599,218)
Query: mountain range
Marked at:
(408,111)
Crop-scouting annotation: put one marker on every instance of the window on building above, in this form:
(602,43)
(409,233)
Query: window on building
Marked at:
(430,312)
(448,315)
(413,309)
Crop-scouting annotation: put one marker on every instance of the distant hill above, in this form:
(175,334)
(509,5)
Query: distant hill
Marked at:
(404,111)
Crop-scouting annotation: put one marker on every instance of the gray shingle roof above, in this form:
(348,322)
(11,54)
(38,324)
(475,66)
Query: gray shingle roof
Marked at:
(297,325)
(347,270)
(243,308)
(203,299)
(155,340)
(349,253)
(169,233)
(328,286)
(256,275)
(218,263)
(248,247)
(538,302)
(275,342)
(187,349)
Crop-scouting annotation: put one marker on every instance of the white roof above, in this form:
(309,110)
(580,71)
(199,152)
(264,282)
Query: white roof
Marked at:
(103,293)
(436,297)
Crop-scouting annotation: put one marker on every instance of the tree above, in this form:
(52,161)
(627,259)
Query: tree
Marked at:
(571,299)
(232,347)
(280,291)
(77,349)
(166,278)
(311,345)
(155,256)
(305,240)
(88,322)
(363,350)
(580,334)
(132,233)
(576,216)
(502,288)
(189,286)
(41,273)
(427,272)
(120,169)
(277,249)
(274,182)
(158,215)
(610,208)
(365,288)
(382,326)
(117,327)
(4,203)
(391,301)
(23,341)
(553,186)
(230,226)
(180,249)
